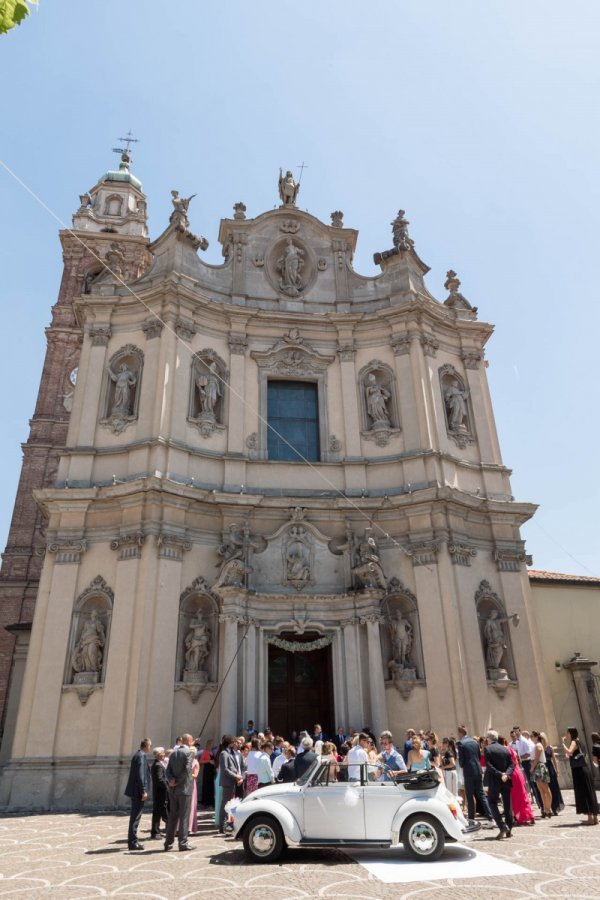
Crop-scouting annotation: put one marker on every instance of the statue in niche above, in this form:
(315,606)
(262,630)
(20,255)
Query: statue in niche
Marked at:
(495,641)
(197,644)
(368,568)
(290,265)
(124,381)
(209,389)
(288,188)
(87,655)
(377,398)
(179,216)
(402,638)
(297,558)
(456,407)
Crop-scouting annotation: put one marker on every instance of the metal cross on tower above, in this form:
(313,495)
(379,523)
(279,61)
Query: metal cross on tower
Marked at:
(126,140)
(302,167)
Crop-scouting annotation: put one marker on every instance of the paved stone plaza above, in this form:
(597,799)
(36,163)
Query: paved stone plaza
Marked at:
(84,856)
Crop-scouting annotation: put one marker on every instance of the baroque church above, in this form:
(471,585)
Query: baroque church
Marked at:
(269,489)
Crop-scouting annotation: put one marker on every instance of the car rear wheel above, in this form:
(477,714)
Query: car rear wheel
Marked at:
(423,837)
(263,839)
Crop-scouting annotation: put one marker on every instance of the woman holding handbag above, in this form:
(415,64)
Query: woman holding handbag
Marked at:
(541,775)
(585,795)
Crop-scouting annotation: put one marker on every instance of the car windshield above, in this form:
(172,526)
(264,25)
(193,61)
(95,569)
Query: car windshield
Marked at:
(307,775)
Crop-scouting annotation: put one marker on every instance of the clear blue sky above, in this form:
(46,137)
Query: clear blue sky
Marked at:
(479,119)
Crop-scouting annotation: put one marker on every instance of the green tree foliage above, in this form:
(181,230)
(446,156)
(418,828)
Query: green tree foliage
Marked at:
(12,12)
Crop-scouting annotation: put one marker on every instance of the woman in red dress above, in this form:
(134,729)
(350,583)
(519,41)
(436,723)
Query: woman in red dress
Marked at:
(519,798)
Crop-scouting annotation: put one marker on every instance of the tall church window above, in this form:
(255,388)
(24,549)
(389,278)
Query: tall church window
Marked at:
(293,414)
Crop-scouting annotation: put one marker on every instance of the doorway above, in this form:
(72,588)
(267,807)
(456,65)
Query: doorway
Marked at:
(300,687)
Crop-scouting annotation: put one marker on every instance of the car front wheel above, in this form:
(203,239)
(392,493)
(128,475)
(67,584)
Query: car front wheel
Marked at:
(423,837)
(263,839)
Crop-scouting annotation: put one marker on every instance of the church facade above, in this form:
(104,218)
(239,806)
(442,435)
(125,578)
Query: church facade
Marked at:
(274,490)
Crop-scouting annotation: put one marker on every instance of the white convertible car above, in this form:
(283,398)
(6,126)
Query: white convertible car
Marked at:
(414,809)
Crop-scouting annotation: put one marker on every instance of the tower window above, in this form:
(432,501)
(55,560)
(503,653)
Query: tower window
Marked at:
(293,412)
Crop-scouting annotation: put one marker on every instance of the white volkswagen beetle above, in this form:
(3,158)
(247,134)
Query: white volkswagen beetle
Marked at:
(414,809)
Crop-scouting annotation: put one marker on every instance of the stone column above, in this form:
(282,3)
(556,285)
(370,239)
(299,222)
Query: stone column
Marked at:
(351,670)
(423,398)
(235,465)
(407,392)
(375,674)
(587,694)
(228,667)
(481,406)
(250,699)
(352,423)
(437,660)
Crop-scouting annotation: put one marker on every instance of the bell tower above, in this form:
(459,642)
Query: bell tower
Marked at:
(109,230)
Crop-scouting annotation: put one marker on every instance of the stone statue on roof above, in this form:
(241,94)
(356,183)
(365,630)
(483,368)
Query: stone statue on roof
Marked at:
(179,216)
(288,188)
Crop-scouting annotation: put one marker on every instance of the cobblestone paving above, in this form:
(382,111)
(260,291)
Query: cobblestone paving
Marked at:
(79,856)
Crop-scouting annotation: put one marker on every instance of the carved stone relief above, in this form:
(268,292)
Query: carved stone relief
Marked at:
(366,563)
(100,335)
(290,266)
(152,328)
(235,551)
(129,545)
(208,391)
(122,391)
(67,550)
(297,557)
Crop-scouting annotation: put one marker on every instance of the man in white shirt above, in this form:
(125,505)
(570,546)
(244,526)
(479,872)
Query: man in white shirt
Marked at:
(280,760)
(356,756)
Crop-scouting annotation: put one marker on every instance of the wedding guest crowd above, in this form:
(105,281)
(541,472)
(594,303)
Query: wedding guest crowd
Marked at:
(484,772)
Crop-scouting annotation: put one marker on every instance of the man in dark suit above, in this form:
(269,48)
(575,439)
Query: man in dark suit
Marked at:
(498,771)
(468,760)
(230,775)
(180,784)
(305,759)
(339,738)
(138,785)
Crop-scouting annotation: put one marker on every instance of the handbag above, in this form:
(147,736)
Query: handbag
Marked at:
(578,759)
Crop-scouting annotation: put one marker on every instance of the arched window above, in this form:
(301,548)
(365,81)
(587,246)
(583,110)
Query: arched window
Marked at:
(113,205)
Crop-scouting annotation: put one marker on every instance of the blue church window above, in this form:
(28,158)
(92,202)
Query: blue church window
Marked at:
(293,412)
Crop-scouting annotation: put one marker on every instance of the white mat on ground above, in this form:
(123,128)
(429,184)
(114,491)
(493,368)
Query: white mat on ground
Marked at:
(394,867)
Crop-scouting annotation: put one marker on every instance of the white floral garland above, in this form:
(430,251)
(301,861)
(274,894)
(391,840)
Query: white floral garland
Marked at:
(299,646)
